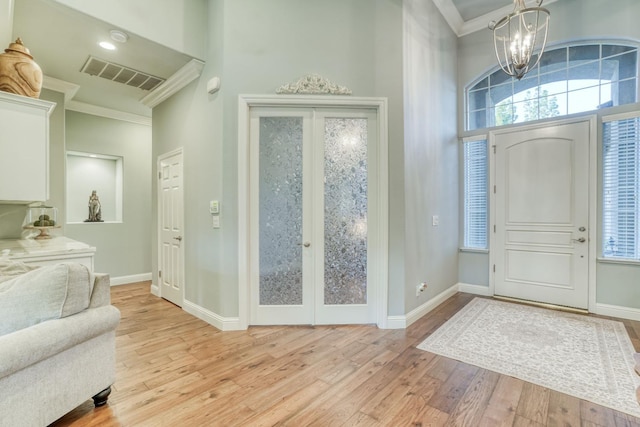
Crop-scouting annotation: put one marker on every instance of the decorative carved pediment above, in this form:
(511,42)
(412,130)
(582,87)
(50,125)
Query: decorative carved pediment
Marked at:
(313,84)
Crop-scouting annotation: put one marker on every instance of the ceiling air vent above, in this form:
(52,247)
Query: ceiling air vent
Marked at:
(120,74)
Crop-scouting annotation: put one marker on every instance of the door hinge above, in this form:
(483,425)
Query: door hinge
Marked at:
(494,149)
(494,189)
(494,268)
(159,175)
(494,228)
(159,273)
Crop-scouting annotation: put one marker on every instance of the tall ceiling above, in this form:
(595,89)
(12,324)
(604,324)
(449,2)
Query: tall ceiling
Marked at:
(471,9)
(61,40)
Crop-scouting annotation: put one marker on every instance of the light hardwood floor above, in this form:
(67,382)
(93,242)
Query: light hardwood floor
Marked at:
(176,370)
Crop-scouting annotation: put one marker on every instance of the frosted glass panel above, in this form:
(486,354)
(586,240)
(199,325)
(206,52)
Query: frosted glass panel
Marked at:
(280,222)
(345,201)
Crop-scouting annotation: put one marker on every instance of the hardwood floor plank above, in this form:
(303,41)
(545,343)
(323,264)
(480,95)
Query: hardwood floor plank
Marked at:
(382,404)
(176,370)
(475,399)
(287,406)
(521,421)
(342,391)
(534,403)
(453,388)
(360,419)
(596,415)
(563,410)
(502,406)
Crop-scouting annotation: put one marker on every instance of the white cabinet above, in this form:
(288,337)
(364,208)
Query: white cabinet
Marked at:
(48,251)
(24,148)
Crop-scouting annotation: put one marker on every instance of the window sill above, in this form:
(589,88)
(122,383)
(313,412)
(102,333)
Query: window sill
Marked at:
(625,261)
(474,250)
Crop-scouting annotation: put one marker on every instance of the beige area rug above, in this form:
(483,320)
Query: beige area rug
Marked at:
(583,356)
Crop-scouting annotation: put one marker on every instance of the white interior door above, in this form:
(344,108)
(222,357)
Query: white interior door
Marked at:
(542,214)
(281,217)
(345,205)
(312,185)
(171,223)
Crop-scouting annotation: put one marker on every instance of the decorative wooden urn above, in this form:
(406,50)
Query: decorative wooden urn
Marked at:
(19,73)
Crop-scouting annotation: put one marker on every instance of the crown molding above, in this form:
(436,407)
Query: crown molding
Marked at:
(463,28)
(95,110)
(173,84)
(68,89)
(450,13)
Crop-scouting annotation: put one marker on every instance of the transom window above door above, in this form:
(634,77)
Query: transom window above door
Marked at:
(568,80)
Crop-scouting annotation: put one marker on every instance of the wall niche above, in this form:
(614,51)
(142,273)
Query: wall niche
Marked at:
(88,172)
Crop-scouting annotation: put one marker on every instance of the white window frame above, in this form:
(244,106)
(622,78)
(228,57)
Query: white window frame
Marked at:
(466,244)
(605,255)
(487,108)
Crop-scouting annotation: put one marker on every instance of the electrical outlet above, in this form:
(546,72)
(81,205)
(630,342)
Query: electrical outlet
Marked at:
(420,287)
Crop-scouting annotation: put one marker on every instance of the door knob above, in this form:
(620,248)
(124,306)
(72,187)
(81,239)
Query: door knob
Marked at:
(580,240)
(305,244)
(179,238)
(582,229)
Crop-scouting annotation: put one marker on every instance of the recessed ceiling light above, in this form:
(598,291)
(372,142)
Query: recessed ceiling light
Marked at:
(119,36)
(107,45)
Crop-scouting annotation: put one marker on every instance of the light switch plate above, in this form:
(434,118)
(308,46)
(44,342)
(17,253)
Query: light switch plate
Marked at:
(214,207)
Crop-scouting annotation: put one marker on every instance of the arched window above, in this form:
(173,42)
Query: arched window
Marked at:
(568,80)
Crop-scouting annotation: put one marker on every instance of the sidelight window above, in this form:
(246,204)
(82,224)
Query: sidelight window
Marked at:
(621,188)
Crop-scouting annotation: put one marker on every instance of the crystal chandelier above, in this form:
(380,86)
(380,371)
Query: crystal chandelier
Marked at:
(520,37)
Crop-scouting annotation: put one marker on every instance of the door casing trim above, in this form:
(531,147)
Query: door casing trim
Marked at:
(245,103)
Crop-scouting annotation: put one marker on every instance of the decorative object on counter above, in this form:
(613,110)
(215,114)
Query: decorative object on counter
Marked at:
(42,219)
(19,73)
(95,208)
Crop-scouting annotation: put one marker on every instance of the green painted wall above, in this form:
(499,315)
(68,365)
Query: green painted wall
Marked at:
(122,249)
(255,47)
(430,153)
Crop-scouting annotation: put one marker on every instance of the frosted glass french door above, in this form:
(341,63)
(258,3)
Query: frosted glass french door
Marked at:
(312,180)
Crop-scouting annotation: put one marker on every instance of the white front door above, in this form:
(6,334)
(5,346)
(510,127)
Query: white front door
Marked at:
(541,202)
(313,203)
(170,223)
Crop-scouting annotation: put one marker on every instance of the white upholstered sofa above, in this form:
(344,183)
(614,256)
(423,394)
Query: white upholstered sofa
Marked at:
(57,341)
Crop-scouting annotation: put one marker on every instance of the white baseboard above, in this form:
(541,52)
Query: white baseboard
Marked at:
(222,323)
(396,322)
(155,290)
(618,311)
(402,322)
(474,289)
(134,278)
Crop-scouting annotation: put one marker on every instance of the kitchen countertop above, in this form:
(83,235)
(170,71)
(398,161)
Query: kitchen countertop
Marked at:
(26,248)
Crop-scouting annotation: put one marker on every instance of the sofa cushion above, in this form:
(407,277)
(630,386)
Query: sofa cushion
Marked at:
(49,292)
